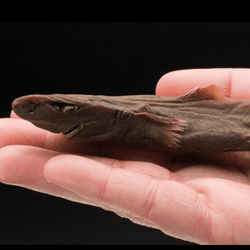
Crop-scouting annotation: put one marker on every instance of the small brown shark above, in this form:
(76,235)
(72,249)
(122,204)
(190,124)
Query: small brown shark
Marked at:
(202,120)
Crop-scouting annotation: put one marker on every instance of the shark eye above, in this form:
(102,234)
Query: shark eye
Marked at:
(65,107)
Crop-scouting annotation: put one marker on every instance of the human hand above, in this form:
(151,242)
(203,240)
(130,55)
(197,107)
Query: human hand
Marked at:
(201,198)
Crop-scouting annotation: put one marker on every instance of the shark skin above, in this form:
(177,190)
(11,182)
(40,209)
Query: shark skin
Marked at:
(202,120)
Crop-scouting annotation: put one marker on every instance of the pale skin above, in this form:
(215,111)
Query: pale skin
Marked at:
(202,198)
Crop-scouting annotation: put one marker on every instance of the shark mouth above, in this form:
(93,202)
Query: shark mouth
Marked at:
(72,131)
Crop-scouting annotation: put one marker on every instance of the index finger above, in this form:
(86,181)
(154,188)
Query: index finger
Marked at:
(235,81)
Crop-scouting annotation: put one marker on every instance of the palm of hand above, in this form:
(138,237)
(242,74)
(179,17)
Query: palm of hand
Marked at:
(196,197)
(202,198)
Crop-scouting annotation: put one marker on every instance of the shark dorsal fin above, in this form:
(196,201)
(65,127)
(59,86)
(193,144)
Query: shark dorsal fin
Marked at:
(212,92)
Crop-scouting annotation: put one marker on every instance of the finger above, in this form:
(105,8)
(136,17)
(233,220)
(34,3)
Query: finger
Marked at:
(24,166)
(162,203)
(236,81)
(14,115)
(22,132)
(97,169)
(146,168)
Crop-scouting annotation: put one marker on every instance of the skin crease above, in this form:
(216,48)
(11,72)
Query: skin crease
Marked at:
(202,198)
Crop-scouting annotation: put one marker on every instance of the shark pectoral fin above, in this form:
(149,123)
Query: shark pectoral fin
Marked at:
(163,131)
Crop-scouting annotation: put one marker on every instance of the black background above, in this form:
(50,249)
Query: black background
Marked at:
(98,58)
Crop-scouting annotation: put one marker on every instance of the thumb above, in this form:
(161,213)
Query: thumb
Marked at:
(236,82)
